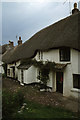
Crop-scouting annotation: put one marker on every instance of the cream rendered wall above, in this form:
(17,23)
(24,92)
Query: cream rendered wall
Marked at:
(53,56)
(16,69)
(67,80)
(1,67)
(71,69)
(75,70)
(19,75)
(30,75)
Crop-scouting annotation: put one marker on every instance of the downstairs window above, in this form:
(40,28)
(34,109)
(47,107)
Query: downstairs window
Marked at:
(76,81)
(8,71)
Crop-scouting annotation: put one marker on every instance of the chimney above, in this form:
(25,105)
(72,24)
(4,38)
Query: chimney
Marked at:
(11,44)
(19,41)
(75,10)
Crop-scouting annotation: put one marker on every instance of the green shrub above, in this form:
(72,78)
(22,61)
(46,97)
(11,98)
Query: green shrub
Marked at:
(11,102)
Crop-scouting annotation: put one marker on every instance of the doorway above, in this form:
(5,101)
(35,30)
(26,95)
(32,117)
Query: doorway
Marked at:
(13,72)
(59,82)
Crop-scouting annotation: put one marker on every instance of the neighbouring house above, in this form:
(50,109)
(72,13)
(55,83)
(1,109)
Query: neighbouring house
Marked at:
(1,68)
(57,44)
(3,49)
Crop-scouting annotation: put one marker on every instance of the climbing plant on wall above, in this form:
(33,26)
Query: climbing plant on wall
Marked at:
(44,69)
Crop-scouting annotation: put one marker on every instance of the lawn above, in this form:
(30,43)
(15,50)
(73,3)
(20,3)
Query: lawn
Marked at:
(34,110)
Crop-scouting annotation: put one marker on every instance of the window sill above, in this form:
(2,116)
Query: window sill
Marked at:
(65,62)
(75,90)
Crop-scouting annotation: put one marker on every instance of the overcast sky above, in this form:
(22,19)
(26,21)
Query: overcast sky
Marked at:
(26,18)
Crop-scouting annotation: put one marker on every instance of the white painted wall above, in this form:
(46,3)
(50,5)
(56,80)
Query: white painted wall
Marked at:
(30,75)
(71,69)
(50,81)
(1,67)
(16,69)
(51,55)
(19,75)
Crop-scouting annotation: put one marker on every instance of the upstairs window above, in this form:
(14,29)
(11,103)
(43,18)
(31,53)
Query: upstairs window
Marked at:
(64,54)
(40,55)
(76,81)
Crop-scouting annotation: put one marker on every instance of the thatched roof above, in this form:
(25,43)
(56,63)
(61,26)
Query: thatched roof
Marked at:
(64,33)
(4,48)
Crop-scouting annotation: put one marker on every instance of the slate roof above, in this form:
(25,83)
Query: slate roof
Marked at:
(64,33)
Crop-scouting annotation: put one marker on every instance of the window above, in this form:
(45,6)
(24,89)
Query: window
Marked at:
(8,71)
(22,76)
(40,55)
(64,54)
(39,74)
(76,81)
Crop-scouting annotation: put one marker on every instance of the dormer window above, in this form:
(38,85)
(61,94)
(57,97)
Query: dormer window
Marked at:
(40,55)
(64,54)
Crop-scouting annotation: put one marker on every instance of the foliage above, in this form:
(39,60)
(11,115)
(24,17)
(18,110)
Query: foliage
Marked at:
(10,102)
(44,76)
(44,71)
(43,67)
(34,110)
(4,75)
(5,69)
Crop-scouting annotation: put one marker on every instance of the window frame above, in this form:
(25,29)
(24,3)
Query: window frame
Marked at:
(22,75)
(40,55)
(68,53)
(8,71)
(78,82)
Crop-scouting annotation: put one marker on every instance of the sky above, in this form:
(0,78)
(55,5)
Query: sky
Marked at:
(26,18)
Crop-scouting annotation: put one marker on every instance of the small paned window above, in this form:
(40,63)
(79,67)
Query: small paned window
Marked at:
(76,81)
(64,54)
(8,71)
(39,74)
(22,76)
(40,55)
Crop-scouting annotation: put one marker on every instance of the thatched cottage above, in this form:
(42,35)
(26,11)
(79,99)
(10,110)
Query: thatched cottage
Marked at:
(58,48)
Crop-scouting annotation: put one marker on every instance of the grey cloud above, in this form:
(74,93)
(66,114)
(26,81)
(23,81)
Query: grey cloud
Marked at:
(26,19)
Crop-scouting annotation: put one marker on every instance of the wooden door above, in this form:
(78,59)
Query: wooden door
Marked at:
(59,82)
